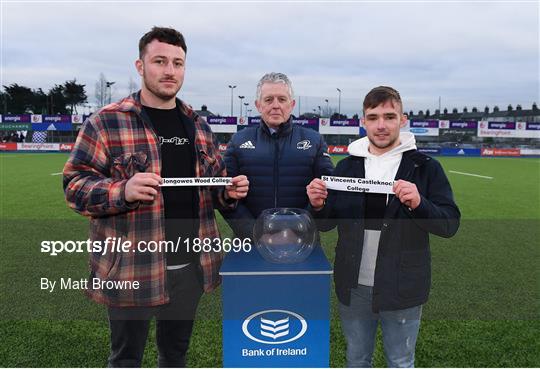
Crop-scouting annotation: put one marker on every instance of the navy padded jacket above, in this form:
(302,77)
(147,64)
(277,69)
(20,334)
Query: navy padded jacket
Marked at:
(279,166)
(403,267)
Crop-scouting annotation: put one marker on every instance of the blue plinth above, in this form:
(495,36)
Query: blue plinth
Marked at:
(276,315)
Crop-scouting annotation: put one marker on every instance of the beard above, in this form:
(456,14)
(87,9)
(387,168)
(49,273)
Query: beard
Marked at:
(159,91)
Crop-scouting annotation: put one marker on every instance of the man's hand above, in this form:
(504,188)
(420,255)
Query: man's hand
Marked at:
(238,188)
(317,193)
(142,187)
(407,193)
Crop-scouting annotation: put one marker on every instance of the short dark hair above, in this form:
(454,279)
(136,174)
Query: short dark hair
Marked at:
(162,34)
(380,95)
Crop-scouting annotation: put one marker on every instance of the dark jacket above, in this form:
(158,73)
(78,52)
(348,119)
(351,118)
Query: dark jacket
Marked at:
(403,268)
(279,166)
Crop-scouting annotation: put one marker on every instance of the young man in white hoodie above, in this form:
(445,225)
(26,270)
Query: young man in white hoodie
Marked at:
(382,267)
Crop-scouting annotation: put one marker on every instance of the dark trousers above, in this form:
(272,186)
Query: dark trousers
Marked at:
(174,323)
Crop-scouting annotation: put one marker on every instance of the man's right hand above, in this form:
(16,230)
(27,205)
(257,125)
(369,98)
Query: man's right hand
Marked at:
(142,187)
(317,193)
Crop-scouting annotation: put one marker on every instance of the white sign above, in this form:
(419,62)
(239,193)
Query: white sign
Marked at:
(196,181)
(327,128)
(358,184)
(223,128)
(508,129)
(38,146)
(525,152)
(421,128)
(76,118)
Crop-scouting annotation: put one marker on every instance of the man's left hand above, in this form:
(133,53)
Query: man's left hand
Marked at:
(238,188)
(407,193)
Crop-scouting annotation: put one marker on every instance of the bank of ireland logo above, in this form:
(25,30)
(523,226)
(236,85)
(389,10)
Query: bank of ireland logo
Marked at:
(274,327)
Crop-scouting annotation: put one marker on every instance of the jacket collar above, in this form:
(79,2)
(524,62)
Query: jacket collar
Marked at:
(283,130)
(133,103)
(416,157)
(411,159)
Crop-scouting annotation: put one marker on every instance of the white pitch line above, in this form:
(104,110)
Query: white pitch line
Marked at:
(56,174)
(470,174)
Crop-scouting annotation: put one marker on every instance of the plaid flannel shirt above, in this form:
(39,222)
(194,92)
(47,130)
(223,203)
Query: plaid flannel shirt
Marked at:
(114,144)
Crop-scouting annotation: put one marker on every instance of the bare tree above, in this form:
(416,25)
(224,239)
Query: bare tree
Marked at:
(101,90)
(132,85)
(329,111)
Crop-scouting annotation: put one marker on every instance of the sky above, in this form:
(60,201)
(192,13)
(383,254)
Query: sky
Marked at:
(470,54)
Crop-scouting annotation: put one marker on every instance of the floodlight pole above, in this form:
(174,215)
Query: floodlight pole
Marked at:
(339,101)
(232,89)
(241,102)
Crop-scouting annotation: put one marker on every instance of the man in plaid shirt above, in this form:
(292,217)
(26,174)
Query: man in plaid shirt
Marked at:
(113,176)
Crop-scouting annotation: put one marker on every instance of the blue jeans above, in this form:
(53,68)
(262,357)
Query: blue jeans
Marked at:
(359,324)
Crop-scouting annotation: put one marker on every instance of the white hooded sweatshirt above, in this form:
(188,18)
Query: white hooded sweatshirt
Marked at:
(382,167)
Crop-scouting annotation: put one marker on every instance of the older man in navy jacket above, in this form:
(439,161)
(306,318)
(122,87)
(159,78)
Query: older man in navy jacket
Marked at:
(383,266)
(278,157)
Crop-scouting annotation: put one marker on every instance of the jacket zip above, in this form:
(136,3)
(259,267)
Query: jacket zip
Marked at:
(276,168)
(384,230)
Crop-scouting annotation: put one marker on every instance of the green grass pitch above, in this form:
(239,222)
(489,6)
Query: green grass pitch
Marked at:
(483,310)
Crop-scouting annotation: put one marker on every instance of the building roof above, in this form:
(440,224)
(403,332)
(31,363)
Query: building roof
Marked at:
(513,114)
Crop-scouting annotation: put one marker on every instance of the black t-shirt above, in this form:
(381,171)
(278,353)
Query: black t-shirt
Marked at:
(374,212)
(177,160)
